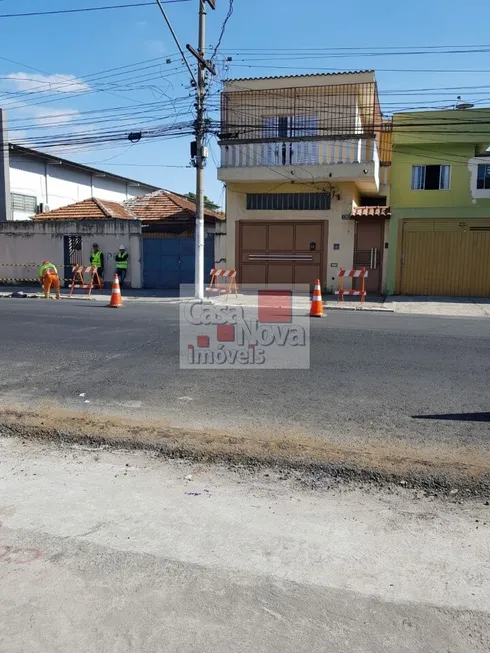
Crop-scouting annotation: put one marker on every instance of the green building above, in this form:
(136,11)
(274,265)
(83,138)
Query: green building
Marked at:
(439,233)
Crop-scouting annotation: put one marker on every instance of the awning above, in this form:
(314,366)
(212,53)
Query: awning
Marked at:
(372,212)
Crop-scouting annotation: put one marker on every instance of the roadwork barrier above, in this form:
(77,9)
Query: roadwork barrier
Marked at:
(352,274)
(227,283)
(78,281)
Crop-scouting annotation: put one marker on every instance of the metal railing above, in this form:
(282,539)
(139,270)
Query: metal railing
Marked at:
(300,153)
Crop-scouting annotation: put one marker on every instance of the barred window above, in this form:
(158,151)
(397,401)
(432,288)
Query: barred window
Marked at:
(24,203)
(288,201)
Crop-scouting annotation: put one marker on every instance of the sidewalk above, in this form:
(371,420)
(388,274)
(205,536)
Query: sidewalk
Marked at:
(447,306)
(450,306)
(158,296)
(444,306)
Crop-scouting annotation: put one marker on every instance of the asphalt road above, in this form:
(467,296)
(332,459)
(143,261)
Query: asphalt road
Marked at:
(118,551)
(372,375)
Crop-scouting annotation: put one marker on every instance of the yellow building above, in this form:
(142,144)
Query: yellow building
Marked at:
(306,165)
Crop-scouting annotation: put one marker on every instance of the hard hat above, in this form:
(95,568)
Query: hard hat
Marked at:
(95,245)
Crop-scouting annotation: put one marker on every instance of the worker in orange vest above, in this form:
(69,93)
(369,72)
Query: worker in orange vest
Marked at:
(48,276)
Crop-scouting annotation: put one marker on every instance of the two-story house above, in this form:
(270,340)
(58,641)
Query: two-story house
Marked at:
(439,239)
(306,165)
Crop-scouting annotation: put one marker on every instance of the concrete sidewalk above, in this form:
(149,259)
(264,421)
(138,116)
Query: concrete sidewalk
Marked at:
(444,306)
(108,551)
(161,296)
(455,306)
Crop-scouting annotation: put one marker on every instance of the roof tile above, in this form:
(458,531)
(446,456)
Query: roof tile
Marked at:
(344,72)
(158,206)
(163,204)
(90,209)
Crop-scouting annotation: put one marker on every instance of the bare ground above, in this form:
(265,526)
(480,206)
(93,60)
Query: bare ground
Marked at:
(440,469)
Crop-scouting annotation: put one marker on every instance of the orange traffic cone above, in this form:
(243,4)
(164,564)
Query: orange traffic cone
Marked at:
(317,302)
(116,299)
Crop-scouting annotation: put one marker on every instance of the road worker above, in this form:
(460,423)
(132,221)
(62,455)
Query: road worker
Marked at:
(97,260)
(122,264)
(48,276)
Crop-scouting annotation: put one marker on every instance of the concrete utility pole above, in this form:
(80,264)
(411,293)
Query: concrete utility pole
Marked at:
(199,150)
(5,205)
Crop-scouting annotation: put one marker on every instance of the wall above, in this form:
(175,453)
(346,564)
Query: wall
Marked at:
(431,127)
(32,242)
(220,241)
(420,148)
(338,230)
(58,185)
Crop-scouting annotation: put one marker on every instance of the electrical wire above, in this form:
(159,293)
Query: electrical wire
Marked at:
(86,9)
(223,29)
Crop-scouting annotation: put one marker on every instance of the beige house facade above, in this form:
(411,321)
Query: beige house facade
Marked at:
(306,164)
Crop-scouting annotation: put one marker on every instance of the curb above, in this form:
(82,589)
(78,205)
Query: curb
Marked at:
(360,309)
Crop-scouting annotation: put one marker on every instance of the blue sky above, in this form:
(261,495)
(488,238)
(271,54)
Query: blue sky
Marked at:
(74,46)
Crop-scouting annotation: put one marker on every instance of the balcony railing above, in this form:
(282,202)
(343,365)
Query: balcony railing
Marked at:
(299,153)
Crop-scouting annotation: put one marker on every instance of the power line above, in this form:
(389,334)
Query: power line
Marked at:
(174,36)
(379,70)
(86,9)
(223,28)
(91,78)
(362,48)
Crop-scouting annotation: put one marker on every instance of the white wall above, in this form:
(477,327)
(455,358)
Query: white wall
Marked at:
(473,164)
(31,242)
(59,185)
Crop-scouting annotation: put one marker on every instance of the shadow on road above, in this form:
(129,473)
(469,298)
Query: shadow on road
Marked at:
(460,417)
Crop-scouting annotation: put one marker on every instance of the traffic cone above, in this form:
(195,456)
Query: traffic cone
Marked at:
(316,309)
(116,299)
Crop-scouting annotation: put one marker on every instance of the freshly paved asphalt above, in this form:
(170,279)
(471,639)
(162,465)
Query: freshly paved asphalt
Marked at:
(371,375)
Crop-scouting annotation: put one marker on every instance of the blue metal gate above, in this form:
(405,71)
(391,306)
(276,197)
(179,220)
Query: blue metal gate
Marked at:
(168,262)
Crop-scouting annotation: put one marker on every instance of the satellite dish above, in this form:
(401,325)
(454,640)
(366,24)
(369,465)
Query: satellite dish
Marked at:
(464,105)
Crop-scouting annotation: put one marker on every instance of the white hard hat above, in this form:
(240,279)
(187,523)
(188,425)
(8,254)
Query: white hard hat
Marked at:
(122,247)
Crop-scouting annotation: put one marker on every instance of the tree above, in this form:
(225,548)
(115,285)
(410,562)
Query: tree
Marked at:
(208,204)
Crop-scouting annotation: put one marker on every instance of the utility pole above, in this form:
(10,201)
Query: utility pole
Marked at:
(198,149)
(5,206)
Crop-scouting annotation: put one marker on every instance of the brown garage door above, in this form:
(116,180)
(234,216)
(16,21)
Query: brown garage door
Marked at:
(446,257)
(280,252)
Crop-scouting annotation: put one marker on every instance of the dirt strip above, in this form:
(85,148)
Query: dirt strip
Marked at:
(449,470)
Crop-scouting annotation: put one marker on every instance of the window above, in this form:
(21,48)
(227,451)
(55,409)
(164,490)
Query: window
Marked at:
(483,179)
(288,201)
(23,203)
(290,127)
(431,177)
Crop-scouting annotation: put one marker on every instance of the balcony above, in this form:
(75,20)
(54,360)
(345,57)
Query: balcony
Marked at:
(353,160)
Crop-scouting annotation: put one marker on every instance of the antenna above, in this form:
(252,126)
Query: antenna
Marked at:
(461,106)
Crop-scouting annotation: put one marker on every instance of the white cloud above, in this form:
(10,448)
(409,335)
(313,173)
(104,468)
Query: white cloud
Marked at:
(155,47)
(55,83)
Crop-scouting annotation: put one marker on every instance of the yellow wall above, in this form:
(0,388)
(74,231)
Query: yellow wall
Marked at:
(338,230)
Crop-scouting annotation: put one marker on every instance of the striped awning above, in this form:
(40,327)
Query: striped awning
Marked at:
(372,212)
